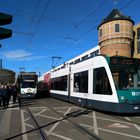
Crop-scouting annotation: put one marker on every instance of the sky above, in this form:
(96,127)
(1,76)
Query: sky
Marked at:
(59,29)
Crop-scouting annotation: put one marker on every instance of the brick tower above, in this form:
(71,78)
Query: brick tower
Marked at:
(115,34)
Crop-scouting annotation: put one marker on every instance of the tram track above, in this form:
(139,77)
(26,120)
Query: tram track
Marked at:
(65,117)
(76,113)
(43,136)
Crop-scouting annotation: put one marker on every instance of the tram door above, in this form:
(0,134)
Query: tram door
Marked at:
(81,87)
(69,83)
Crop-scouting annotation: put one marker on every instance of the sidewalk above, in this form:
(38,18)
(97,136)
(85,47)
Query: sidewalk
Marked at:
(10,121)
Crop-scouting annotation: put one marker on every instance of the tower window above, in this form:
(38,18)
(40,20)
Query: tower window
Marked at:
(117,28)
(100,32)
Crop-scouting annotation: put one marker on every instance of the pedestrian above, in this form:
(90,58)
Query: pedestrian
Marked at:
(9,93)
(19,99)
(4,95)
(19,96)
(0,94)
(14,92)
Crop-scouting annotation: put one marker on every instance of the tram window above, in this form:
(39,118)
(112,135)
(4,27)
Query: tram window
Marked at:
(77,61)
(85,57)
(101,83)
(126,79)
(59,83)
(81,82)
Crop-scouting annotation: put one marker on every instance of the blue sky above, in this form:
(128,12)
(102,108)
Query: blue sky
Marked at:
(43,29)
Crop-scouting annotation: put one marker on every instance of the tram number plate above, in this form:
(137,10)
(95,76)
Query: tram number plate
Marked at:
(136,107)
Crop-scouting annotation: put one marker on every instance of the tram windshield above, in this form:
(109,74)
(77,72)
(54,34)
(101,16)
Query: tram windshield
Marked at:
(27,84)
(125,72)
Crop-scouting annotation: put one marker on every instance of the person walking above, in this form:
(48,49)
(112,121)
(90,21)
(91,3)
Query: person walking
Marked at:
(19,96)
(0,94)
(4,95)
(9,93)
(14,92)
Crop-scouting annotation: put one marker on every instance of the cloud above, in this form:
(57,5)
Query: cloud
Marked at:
(22,55)
(33,57)
(17,54)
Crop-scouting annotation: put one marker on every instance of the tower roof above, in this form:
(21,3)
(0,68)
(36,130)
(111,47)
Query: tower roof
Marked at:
(115,14)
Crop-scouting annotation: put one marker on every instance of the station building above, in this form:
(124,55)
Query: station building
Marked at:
(115,34)
(6,76)
(118,36)
(136,29)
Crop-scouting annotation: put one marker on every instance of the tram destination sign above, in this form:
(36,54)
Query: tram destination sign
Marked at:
(124,61)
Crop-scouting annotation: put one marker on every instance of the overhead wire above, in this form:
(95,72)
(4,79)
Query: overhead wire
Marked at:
(32,20)
(92,12)
(83,20)
(30,32)
(127,4)
(38,22)
(35,11)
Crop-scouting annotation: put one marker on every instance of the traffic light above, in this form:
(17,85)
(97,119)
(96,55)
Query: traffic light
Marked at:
(5,19)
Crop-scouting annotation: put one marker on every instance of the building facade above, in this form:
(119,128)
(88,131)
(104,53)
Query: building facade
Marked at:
(136,30)
(7,76)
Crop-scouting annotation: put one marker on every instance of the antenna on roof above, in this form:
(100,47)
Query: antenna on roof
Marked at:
(115,2)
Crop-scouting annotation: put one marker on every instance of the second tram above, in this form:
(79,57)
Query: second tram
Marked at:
(27,84)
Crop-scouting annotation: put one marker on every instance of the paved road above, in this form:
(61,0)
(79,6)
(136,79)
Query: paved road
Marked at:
(15,121)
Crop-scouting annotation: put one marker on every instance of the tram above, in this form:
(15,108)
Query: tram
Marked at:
(99,82)
(27,84)
(42,88)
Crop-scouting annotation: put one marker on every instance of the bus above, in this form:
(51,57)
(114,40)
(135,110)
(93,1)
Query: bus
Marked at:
(27,84)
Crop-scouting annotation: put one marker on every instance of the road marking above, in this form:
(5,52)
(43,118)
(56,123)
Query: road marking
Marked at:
(60,136)
(110,131)
(37,114)
(119,133)
(111,120)
(118,125)
(95,124)
(38,108)
(5,123)
(135,125)
(44,116)
(56,124)
(24,137)
(29,125)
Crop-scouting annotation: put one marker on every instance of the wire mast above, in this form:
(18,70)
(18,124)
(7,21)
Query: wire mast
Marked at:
(55,59)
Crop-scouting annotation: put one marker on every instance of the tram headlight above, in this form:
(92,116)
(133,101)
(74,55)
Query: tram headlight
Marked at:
(22,92)
(122,98)
(35,91)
